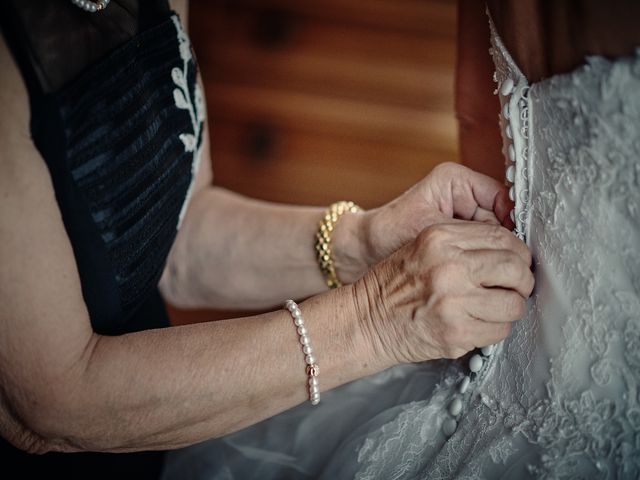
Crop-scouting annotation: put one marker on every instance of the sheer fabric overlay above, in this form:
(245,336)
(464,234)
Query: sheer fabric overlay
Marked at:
(560,396)
(58,41)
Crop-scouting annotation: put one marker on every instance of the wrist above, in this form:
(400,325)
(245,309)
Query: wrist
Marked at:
(351,246)
(367,310)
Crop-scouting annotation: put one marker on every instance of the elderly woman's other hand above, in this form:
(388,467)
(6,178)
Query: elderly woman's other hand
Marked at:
(456,287)
(450,191)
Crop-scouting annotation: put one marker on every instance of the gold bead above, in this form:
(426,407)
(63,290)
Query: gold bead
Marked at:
(323,239)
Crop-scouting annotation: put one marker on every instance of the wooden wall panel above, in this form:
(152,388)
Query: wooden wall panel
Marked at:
(311,102)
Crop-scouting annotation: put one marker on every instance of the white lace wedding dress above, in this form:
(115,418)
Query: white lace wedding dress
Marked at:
(560,397)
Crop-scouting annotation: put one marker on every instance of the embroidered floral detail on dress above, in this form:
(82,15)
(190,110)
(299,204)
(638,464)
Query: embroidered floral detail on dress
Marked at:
(192,103)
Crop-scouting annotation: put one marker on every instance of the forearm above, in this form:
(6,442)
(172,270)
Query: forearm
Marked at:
(235,252)
(167,388)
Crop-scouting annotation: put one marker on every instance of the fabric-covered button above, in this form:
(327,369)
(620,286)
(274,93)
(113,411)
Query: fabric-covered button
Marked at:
(507,87)
(455,407)
(464,384)
(488,350)
(511,173)
(512,153)
(512,193)
(505,110)
(509,132)
(449,426)
(512,214)
(475,363)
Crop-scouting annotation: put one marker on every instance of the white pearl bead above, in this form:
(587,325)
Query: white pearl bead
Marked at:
(313,381)
(315,396)
(298,321)
(512,194)
(296,313)
(475,363)
(313,390)
(302,330)
(507,87)
(315,401)
(310,359)
(455,407)
(512,153)
(449,426)
(290,304)
(304,340)
(509,132)
(511,173)
(505,110)
(91,6)
(307,350)
(488,350)
(464,385)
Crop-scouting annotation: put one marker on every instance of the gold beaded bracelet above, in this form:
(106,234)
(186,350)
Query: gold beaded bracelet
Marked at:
(323,239)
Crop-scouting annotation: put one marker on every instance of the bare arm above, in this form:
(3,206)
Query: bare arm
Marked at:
(545,38)
(236,252)
(549,37)
(65,388)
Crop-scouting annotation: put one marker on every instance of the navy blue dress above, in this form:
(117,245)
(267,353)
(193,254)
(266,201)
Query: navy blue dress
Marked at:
(117,116)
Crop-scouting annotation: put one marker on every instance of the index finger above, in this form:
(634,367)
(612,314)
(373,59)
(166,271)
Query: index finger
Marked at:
(482,236)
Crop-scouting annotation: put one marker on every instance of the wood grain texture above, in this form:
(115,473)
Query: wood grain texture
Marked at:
(312,102)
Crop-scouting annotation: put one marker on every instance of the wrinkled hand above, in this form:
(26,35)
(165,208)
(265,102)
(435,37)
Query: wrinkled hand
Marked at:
(450,191)
(456,287)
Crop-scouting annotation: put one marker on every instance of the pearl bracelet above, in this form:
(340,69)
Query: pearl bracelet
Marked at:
(313,369)
(91,6)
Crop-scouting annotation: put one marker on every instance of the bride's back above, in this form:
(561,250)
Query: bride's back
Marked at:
(545,38)
(560,398)
(563,395)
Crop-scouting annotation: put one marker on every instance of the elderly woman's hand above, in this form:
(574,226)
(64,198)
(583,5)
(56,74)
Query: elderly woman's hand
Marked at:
(449,191)
(456,287)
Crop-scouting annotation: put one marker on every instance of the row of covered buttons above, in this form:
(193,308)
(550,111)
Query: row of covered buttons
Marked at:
(476,362)
(506,89)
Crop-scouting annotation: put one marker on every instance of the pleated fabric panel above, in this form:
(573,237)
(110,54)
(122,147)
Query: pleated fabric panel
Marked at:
(132,133)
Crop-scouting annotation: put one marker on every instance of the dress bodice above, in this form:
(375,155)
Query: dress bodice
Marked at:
(567,379)
(560,397)
(117,117)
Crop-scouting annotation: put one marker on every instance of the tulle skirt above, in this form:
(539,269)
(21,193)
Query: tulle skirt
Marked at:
(301,442)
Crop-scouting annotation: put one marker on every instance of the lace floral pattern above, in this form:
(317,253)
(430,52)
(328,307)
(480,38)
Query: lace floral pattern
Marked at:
(561,397)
